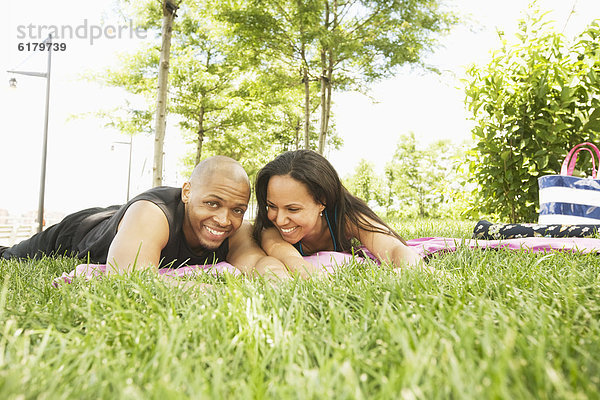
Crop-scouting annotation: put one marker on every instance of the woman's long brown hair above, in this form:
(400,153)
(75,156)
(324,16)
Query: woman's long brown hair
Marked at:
(323,183)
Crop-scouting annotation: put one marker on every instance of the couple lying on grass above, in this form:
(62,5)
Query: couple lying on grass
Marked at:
(302,209)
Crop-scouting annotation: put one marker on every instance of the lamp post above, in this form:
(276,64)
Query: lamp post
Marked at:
(130,144)
(13,83)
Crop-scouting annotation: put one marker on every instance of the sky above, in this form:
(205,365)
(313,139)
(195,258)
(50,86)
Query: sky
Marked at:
(87,163)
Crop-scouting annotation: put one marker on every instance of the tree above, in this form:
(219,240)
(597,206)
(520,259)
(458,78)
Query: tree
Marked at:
(168,9)
(223,101)
(534,100)
(422,181)
(278,38)
(335,43)
(206,74)
(411,185)
(137,75)
(364,183)
(280,110)
(417,182)
(215,96)
(362,41)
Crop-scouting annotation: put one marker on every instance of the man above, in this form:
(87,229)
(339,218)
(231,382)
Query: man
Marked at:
(201,223)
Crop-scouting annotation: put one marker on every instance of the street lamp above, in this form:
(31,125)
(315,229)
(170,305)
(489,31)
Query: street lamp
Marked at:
(13,83)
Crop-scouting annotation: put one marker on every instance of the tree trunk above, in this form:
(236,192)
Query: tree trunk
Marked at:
(390,200)
(199,147)
(325,100)
(323,82)
(326,78)
(200,136)
(169,10)
(306,108)
(421,195)
(297,128)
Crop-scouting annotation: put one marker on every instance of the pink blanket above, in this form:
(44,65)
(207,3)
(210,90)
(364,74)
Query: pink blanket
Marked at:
(329,260)
(430,245)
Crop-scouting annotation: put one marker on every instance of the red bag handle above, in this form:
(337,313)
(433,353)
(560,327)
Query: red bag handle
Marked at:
(571,166)
(568,164)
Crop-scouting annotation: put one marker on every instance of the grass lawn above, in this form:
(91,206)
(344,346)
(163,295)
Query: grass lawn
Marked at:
(491,324)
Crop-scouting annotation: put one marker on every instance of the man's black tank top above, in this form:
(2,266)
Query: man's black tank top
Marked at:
(97,231)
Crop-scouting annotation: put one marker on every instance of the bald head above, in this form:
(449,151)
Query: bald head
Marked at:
(219,166)
(216,198)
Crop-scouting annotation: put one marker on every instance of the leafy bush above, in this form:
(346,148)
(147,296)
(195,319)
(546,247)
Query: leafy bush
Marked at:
(535,100)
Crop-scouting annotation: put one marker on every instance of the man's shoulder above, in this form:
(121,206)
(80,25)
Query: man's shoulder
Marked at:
(160,194)
(246,228)
(243,234)
(167,199)
(162,190)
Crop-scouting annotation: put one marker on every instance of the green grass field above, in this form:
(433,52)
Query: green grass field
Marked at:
(490,325)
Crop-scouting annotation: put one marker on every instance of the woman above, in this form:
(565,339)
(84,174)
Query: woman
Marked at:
(303,208)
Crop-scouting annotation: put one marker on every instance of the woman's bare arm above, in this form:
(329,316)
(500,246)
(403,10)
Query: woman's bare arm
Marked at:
(274,245)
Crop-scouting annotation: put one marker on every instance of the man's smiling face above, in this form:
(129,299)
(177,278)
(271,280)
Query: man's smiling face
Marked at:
(214,209)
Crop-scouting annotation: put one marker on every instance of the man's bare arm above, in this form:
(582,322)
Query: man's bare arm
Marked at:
(249,258)
(142,234)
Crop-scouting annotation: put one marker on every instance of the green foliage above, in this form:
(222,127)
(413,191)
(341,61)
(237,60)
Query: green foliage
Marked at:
(364,183)
(488,325)
(204,77)
(214,96)
(417,182)
(537,98)
(426,182)
(136,75)
(327,45)
(245,75)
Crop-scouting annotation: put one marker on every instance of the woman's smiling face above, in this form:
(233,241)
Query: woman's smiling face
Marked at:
(292,209)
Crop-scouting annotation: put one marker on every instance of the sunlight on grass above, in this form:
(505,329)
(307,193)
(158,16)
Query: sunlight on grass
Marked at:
(497,324)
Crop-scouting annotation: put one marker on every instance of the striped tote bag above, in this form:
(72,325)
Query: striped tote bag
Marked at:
(566,199)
